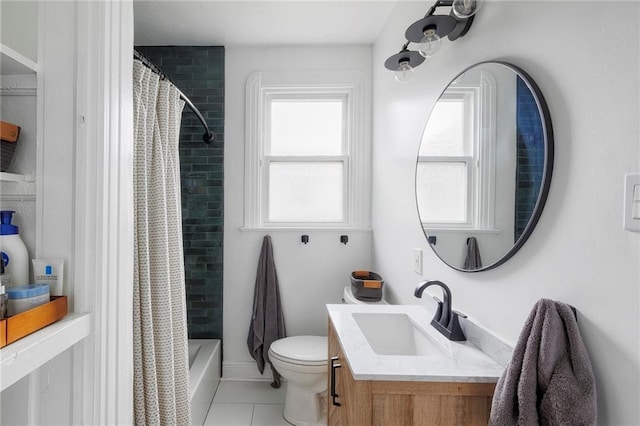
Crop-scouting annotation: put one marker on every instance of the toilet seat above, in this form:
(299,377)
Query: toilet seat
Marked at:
(301,350)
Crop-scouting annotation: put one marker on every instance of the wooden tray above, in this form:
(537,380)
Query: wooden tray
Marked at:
(21,325)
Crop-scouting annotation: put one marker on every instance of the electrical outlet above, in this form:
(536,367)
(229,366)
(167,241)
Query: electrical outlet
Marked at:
(417,261)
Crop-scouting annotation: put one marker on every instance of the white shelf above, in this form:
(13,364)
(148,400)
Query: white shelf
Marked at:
(12,62)
(26,355)
(15,177)
(17,187)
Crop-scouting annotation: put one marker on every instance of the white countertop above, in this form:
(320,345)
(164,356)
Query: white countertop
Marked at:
(458,362)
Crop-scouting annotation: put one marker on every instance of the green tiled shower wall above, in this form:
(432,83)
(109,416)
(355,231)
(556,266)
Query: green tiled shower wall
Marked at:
(198,72)
(530,153)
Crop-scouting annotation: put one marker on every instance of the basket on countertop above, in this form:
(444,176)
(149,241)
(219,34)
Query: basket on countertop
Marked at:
(366,286)
(9,134)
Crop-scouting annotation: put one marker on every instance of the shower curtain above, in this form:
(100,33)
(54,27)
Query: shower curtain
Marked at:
(161,370)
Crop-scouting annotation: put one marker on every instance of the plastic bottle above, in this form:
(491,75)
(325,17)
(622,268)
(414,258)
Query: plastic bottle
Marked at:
(14,253)
(5,278)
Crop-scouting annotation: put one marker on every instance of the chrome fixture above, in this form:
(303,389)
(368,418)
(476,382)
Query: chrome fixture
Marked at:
(446,320)
(428,33)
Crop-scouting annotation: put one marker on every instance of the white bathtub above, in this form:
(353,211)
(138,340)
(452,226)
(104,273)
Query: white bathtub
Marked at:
(204,376)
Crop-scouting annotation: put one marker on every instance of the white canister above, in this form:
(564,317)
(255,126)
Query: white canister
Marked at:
(14,253)
(23,298)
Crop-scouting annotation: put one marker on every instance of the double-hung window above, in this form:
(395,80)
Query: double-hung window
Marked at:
(306,160)
(455,160)
(446,163)
(305,165)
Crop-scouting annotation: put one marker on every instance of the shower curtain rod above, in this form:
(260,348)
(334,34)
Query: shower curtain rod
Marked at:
(208,135)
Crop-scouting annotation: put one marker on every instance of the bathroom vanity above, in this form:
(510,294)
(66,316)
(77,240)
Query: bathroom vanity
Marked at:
(387,368)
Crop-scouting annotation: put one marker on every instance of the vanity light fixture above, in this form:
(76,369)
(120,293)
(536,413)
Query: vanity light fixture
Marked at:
(428,33)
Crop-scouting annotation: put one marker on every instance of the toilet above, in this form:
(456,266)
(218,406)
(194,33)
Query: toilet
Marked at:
(302,361)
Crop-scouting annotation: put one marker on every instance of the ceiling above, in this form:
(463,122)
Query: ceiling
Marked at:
(259,23)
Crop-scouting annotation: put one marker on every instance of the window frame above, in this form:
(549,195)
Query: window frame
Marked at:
(480,208)
(264,87)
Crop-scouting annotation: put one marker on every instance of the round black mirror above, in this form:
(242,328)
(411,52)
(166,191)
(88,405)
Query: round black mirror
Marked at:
(484,166)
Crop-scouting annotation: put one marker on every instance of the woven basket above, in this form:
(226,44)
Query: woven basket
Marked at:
(9,134)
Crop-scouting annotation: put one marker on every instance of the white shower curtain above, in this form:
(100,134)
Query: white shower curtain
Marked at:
(161,360)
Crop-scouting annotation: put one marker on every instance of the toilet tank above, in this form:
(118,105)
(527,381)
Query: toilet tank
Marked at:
(350,299)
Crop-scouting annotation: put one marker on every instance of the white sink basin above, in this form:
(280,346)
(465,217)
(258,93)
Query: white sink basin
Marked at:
(397,342)
(396,334)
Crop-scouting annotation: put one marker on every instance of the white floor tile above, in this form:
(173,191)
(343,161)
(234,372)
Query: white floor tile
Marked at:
(268,415)
(254,392)
(199,412)
(227,414)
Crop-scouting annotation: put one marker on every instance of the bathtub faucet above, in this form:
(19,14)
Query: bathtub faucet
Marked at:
(446,320)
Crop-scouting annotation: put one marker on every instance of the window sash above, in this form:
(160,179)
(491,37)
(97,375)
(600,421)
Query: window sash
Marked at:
(310,96)
(469,134)
(470,195)
(266,167)
(267,159)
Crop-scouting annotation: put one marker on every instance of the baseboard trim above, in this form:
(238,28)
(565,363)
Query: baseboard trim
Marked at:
(245,371)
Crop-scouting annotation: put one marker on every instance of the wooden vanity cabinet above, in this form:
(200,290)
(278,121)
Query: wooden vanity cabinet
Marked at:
(395,403)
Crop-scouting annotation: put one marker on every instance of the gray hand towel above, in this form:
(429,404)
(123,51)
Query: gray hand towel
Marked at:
(267,320)
(549,380)
(472,261)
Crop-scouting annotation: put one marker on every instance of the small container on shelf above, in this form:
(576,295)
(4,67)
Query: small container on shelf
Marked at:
(9,134)
(18,326)
(23,298)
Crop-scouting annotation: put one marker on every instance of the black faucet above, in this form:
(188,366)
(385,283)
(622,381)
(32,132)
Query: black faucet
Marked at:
(446,321)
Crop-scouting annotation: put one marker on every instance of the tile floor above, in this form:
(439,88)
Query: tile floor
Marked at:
(247,403)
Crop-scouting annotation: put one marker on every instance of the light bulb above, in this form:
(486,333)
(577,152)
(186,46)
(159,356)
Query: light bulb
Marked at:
(465,9)
(404,72)
(430,43)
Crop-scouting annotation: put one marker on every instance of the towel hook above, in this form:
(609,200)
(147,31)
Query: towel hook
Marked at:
(344,239)
(304,239)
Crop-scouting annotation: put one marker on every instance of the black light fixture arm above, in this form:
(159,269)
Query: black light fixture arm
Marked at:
(428,31)
(208,135)
(436,5)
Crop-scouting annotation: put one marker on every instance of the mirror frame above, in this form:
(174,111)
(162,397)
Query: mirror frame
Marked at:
(545,116)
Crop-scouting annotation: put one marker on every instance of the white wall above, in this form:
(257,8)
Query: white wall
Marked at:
(579,252)
(19,27)
(310,275)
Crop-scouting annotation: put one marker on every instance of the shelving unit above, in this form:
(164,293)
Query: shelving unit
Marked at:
(18,95)
(26,355)
(19,104)
(17,187)
(13,63)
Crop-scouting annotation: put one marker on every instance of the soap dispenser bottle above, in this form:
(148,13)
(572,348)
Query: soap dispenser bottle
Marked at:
(15,256)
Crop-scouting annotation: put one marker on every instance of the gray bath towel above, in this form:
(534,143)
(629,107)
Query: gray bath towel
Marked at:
(267,320)
(549,380)
(473,260)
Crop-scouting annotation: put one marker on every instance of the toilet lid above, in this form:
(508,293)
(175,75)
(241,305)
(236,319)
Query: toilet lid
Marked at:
(310,350)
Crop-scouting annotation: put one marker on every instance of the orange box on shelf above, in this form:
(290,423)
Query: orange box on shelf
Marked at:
(27,322)
(9,132)
(3,333)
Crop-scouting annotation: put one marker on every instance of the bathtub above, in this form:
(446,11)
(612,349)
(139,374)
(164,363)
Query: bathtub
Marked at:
(204,376)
